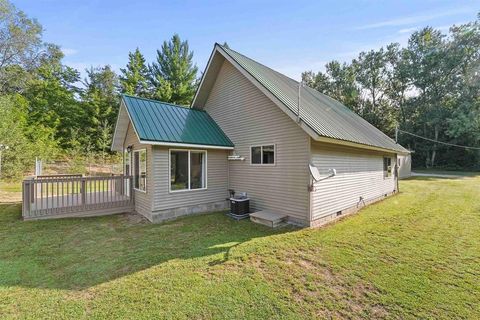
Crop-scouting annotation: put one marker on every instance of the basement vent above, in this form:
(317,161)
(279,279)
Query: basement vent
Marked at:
(339,213)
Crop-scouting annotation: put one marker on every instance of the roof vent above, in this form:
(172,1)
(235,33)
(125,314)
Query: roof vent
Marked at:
(300,85)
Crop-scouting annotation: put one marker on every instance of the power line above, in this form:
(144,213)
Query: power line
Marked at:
(441,142)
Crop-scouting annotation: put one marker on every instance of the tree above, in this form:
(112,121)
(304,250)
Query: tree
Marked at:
(100,102)
(20,37)
(25,142)
(20,47)
(372,69)
(134,78)
(173,75)
(104,138)
(338,82)
(51,94)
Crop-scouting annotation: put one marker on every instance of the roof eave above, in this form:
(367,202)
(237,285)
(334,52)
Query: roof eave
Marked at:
(358,145)
(185,145)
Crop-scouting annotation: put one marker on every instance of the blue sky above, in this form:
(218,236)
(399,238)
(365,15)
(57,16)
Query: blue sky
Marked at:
(289,36)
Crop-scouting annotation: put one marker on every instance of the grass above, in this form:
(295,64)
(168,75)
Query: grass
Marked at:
(10,186)
(447,172)
(415,255)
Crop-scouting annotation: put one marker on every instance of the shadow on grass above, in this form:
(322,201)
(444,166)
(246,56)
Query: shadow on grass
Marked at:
(83,252)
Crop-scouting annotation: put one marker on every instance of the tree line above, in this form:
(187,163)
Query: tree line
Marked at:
(429,87)
(47,110)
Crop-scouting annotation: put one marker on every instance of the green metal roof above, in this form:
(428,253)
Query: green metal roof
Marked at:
(324,115)
(157,121)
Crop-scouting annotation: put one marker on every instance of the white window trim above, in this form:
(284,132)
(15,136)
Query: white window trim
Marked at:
(132,168)
(170,170)
(261,155)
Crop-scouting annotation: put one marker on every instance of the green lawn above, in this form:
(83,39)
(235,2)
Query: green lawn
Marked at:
(415,255)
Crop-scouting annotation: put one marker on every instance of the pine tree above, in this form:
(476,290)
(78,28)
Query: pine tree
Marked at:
(100,101)
(173,75)
(134,78)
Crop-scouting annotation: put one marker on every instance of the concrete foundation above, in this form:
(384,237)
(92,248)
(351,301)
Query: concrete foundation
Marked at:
(169,214)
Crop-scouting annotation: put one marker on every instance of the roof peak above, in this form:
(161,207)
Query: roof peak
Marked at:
(255,61)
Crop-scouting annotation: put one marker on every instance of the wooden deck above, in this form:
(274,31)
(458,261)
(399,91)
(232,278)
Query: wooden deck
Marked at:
(75,196)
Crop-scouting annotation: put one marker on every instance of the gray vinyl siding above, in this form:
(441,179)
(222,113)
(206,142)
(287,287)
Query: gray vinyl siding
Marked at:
(249,118)
(217,185)
(359,174)
(405,166)
(143,200)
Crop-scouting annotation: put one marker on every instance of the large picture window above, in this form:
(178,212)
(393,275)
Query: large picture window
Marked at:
(140,170)
(262,154)
(188,170)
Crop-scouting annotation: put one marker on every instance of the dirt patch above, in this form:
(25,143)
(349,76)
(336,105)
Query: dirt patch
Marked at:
(133,218)
(10,197)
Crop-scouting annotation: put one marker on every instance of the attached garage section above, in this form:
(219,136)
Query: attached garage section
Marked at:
(359,173)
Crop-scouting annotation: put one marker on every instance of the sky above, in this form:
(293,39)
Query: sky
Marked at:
(288,36)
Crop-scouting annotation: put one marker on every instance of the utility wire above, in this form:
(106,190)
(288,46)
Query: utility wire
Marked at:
(441,142)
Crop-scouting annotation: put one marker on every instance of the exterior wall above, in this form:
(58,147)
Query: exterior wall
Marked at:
(359,174)
(249,118)
(168,204)
(143,200)
(405,166)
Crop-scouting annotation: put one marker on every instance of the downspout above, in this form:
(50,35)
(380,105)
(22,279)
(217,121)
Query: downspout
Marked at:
(397,173)
(228,173)
(310,181)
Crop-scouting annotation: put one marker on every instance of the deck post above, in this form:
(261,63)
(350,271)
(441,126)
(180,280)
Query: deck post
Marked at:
(26,198)
(31,183)
(130,188)
(83,192)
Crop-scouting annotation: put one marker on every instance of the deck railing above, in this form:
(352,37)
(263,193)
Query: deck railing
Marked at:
(65,195)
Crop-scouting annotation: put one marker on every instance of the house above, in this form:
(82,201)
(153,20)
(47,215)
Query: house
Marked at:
(254,130)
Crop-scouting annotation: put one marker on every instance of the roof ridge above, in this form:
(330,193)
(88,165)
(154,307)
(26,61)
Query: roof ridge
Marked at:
(160,102)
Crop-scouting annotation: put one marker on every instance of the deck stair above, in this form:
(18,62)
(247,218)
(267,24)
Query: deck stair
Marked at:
(268,218)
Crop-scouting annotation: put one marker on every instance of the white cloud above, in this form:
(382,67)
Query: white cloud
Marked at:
(69,51)
(413,19)
(408,30)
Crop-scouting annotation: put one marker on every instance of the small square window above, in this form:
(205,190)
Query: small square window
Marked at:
(262,154)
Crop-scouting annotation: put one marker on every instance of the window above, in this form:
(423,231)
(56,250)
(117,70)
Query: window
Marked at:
(188,170)
(387,167)
(262,154)
(140,170)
